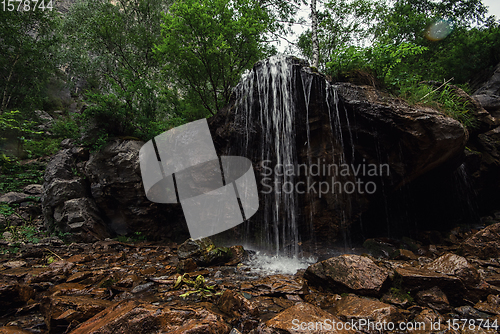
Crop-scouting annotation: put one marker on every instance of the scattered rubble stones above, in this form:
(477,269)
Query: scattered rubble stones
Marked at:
(112,287)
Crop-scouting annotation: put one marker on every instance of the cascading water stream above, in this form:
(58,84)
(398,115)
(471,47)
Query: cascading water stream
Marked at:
(271,96)
(284,116)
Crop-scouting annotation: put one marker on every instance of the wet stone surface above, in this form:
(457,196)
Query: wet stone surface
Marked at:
(115,287)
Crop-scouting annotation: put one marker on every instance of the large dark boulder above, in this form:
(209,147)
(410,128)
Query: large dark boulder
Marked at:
(116,186)
(483,154)
(356,141)
(488,94)
(66,203)
(100,195)
(413,140)
(348,273)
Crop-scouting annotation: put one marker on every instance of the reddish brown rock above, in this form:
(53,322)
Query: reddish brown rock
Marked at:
(455,265)
(68,289)
(274,284)
(13,330)
(421,278)
(394,297)
(356,308)
(426,319)
(322,300)
(306,318)
(435,299)
(14,264)
(56,272)
(61,311)
(79,258)
(238,255)
(186,266)
(131,317)
(129,281)
(404,254)
(491,305)
(484,244)
(348,273)
(13,295)
(235,305)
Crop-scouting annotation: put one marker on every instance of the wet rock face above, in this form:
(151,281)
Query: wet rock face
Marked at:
(334,125)
(435,299)
(60,312)
(352,307)
(116,186)
(348,273)
(483,155)
(135,317)
(303,318)
(488,95)
(95,196)
(236,305)
(455,265)
(484,244)
(413,140)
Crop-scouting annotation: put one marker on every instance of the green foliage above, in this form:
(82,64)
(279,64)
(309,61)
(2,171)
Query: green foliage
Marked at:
(65,127)
(444,99)
(28,56)
(41,148)
(110,44)
(407,20)
(344,26)
(16,176)
(401,47)
(9,250)
(402,295)
(16,125)
(6,209)
(404,51)
(387,61)
(107,283)
(200,289)
(136,237)
(206,46)
(25,233)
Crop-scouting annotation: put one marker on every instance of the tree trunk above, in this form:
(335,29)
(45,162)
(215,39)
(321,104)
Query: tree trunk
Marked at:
(315,43)
(5,98)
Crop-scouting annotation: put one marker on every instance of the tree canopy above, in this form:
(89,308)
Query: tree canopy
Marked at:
(28,57)
(207,44)
(145,66)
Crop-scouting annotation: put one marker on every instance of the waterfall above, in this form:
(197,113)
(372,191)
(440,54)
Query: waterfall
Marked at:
(273,107)
(271,100)
(285,117)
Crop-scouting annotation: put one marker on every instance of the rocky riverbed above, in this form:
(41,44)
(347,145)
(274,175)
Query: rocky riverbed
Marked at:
(408,286)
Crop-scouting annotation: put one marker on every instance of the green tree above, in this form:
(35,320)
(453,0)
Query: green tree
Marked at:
(407,20)
(110,45)
(207,44)
(28,56)
(342,24)
(461,28)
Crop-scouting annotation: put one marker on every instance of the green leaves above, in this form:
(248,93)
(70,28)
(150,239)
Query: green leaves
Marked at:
(207,44)
(28,56)
(111,45)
